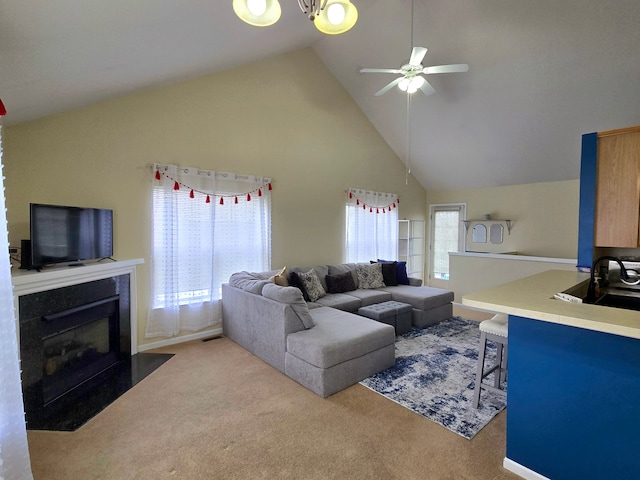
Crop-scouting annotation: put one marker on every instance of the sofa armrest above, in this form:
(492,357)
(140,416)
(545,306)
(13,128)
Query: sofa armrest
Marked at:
(415,282)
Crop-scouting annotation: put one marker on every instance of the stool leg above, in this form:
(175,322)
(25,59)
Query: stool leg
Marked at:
(480,369)
(498,372)
(504,366)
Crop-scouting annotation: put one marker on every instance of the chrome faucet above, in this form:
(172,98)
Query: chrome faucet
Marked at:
(627,276)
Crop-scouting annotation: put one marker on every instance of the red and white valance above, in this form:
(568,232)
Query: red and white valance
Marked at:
(373,202)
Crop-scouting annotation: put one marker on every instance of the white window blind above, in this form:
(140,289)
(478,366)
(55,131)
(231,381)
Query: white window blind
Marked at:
(372,231)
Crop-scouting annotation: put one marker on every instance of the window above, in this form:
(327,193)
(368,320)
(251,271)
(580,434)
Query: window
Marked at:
(197,245)
(371,226)
(447,235)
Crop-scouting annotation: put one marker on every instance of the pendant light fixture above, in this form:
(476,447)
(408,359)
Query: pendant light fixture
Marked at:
(332,17)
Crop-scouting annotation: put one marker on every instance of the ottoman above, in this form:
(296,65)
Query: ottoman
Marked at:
(393,313)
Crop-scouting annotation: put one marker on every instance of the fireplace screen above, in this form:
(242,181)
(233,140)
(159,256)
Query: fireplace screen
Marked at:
(80,344)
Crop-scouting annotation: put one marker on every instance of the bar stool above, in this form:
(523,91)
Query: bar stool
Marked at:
(495,329)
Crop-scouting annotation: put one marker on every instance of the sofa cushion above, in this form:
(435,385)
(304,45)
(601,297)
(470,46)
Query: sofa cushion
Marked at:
(401,271)
(249,282)
(312,285)
(341,301)
(293,297)
(422,298)
(342,268)
(338,337)
(321,270)
(296,281)
(369,276)
(340,283)
(371,296)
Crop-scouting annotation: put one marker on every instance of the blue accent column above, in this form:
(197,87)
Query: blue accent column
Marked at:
(573,406)
(588,173)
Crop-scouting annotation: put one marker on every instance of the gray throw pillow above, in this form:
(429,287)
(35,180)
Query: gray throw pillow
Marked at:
(370,276)
(312,285)
(293,297)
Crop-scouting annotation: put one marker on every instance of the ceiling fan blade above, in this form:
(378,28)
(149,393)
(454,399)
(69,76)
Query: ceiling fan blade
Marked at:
(426,88)
(388,86)
(380,70)
(460,67)
(417,54)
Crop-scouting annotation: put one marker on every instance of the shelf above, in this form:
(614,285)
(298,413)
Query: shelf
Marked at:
(490,220)
(411,246)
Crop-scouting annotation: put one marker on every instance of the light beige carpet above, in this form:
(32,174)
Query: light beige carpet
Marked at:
(214,411)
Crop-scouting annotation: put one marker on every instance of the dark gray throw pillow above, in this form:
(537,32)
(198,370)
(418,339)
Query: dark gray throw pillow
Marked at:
(340,283)
(294,281)
(389,274)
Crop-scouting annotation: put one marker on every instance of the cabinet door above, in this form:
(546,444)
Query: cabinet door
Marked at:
(618,189)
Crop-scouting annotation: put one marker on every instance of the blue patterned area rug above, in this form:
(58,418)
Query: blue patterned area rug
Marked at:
(434,376)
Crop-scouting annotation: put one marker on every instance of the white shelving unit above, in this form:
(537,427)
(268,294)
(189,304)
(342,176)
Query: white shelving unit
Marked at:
(411,245)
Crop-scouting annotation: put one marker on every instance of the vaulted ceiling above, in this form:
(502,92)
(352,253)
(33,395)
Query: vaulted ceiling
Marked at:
(541,73)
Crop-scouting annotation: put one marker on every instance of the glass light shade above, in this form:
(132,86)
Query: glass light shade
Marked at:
(411,85)
(257,7)
(249,11)
(417,82)
(341,11)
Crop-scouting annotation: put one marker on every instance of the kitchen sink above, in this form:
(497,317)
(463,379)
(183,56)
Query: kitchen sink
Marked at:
(619,301)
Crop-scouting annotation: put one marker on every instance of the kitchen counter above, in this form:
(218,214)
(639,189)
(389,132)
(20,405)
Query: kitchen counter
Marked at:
(532,297)
(573,380)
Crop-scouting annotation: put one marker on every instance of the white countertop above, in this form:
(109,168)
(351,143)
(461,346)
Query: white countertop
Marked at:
(514,256)
(532,297)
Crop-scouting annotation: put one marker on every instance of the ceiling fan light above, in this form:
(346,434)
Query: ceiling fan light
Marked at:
(341,11)
(417,82)
(259,13)
(336,13)
(411,85)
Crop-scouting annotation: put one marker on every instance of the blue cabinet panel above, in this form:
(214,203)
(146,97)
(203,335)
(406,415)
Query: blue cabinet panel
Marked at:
(588,172)
(573,401)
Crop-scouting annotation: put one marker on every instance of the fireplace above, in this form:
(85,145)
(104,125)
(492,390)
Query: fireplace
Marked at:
(78,342)
(77,345)
(72,339)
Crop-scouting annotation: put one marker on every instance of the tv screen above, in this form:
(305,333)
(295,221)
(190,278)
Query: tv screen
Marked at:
(61,234)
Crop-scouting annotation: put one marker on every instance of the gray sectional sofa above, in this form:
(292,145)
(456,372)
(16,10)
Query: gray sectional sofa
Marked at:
(321,342)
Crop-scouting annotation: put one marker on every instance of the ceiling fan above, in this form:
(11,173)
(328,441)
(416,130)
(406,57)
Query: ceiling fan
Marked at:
(411,78)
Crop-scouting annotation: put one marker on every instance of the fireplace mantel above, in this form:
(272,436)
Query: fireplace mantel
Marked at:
(26,282)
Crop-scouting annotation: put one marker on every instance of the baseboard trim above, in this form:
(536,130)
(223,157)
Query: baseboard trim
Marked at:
(522,471)
(183,338)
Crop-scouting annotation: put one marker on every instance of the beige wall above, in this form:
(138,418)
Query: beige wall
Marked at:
(286,117)
(470,273)
(544,218)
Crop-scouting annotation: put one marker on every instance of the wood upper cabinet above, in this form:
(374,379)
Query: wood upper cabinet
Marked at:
(617,216)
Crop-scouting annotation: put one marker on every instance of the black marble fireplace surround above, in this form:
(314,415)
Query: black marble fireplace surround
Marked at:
(75,350)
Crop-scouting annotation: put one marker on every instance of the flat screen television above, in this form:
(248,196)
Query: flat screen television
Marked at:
(61,234)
